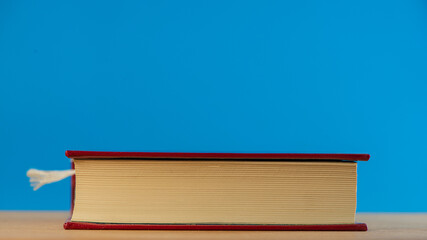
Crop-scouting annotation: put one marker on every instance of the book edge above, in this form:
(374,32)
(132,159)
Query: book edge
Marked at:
(246,156)
(69,225)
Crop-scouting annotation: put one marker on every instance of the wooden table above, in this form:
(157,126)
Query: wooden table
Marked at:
(48,225)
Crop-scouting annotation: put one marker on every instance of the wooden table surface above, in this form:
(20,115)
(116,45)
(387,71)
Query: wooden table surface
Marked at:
(48,225)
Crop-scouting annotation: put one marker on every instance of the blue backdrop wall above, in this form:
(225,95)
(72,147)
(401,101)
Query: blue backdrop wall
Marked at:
(215,76)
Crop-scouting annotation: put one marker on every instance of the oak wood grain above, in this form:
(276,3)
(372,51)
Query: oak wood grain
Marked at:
(48,225)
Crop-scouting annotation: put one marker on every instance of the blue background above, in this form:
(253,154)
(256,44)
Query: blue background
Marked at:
(215,76)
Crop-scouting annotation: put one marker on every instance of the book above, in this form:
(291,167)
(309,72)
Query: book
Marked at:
(214,191)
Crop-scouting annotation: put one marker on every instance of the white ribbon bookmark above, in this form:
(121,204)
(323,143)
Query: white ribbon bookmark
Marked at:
(39,178)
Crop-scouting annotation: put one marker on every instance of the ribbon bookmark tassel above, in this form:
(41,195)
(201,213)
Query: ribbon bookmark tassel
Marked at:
(39,178)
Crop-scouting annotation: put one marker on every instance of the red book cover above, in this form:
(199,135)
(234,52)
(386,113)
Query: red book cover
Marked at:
(253,156)
(247,156)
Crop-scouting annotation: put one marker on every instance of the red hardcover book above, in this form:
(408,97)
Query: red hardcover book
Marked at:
(210,156)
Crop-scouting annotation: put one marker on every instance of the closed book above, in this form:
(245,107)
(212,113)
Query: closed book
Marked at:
(214,191)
